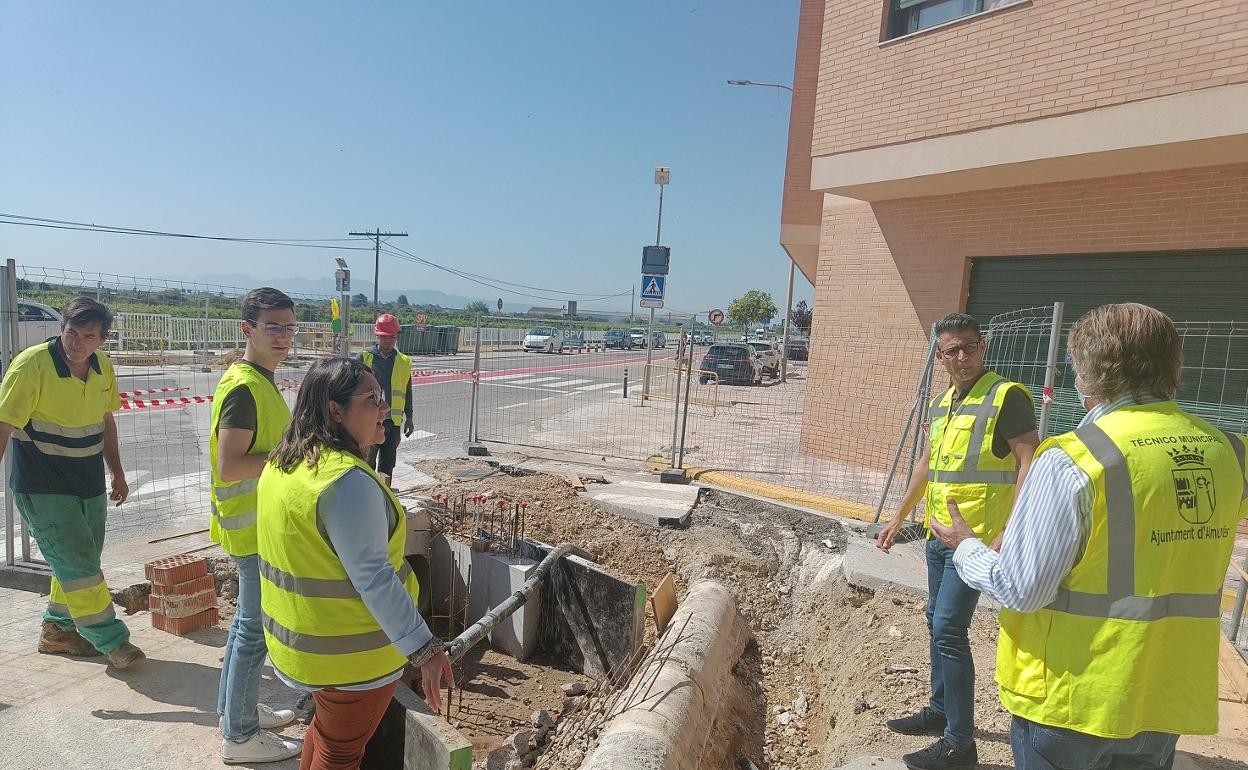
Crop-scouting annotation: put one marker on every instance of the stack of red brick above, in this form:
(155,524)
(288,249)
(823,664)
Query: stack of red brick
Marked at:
(184,596)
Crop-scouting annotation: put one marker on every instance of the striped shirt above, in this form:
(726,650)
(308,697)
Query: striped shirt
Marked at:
(1047,531)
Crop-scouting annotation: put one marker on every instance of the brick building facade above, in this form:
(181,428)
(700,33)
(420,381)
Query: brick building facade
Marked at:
(929,136)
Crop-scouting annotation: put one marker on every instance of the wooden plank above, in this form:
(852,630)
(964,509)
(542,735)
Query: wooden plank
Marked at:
(575,481)
(664,602)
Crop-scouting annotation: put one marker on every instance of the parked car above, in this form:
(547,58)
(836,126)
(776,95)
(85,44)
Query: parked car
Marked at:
(35,323)
(702,338)
(799,350)
(618,338)
(544,339)
(734,362)
(768,356)
(657,338)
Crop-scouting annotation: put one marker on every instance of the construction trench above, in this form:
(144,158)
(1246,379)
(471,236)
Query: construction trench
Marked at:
(770,659)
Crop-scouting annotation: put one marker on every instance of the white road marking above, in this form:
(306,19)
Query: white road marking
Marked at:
(513,406)
(419,434)
(599,386)
(530,380)
(542,389)
(567,383)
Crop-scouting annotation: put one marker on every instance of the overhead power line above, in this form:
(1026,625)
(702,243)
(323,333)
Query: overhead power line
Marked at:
(62,224)
(493,283)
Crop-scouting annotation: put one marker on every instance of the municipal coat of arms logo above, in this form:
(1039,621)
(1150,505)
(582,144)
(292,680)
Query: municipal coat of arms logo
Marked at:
(1193,484)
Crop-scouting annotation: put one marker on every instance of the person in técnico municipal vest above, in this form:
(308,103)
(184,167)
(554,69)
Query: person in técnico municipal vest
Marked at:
(57,402)
(394,371)
(1112,567)
(981,440)
(339,599)
(248,417)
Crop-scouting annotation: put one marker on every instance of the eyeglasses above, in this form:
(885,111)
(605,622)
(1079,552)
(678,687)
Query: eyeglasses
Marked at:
(375,397)
(970,349)
(275,330)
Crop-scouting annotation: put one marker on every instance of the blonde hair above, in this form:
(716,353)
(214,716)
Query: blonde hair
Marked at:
(1127,348)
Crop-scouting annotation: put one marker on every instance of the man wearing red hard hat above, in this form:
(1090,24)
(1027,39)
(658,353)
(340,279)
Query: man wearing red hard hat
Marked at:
(393,371)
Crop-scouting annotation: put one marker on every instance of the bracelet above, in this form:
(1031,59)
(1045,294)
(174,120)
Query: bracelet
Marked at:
(424,654)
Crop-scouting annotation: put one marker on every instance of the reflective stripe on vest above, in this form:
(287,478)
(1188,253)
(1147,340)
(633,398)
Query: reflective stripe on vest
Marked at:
(318,630)
(233,523)
(1130,643)
(981,482)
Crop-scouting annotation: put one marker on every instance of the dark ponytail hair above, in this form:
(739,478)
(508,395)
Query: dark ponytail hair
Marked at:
(310,429)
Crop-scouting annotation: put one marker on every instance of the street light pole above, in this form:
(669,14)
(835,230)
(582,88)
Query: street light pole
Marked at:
(788,305)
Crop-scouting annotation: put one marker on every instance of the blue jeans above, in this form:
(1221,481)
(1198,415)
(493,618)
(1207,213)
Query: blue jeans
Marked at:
(245,651)
(1039,747)
(950,607)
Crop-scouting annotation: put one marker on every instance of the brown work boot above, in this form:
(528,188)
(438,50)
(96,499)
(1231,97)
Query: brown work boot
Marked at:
(125,655)
(54,640)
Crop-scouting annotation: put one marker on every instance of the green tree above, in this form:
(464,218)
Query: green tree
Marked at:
(477,308)
(802,316)
(402,300)
(754,306)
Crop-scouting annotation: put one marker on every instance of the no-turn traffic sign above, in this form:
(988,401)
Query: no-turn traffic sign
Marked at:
(716,317)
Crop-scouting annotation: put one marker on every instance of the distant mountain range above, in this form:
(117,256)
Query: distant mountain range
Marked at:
(326,286)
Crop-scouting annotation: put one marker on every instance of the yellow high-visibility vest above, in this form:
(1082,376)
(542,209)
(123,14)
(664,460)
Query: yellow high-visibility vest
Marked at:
(400,375)
(1131,641)
(234,502)
(962,464)
(318,630)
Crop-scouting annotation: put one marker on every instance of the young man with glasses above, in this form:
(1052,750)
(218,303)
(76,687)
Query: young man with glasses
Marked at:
(249,417)
(982,436)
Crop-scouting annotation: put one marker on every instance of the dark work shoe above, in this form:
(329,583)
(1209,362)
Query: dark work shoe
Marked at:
(926,722)
(942,755)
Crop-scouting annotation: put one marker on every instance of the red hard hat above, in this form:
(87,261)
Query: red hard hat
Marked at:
(387,325)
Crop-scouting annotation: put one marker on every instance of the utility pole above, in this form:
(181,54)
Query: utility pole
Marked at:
(632,304)
(377,235)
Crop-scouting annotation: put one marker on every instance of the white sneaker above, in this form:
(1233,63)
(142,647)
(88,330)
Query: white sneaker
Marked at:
(272,719)
(264,746)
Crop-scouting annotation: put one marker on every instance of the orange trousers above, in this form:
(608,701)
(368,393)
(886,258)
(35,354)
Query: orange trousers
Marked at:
(340,728)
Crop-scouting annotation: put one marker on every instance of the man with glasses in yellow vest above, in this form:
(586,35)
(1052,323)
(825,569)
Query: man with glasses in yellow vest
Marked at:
(57,402)
(981,440)
(249,416)
(393,371)
(1111,570)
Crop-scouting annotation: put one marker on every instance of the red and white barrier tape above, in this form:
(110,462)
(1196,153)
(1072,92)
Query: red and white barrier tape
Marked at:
(438,372)
(158,403)
(146,391)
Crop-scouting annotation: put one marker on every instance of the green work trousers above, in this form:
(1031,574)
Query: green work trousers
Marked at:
(70,534)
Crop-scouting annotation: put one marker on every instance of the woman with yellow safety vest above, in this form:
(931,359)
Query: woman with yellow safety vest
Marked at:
(339,600)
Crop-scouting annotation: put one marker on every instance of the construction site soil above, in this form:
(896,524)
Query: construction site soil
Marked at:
(814,686)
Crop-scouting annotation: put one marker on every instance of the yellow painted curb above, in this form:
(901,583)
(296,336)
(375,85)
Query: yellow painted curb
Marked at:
(783,494)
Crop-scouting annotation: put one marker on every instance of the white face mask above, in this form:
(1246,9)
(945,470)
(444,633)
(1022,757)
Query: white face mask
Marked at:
(1082,396)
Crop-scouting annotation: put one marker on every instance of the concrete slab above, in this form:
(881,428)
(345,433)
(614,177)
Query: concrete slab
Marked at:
(650,502)
(903,569)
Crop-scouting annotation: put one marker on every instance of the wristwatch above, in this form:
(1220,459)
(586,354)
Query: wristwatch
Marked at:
(423,655)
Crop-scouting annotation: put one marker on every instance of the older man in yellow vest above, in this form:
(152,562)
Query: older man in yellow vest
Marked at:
(1112,567)
(982,437)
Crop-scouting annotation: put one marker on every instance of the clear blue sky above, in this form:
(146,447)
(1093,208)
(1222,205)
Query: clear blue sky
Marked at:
(515,140)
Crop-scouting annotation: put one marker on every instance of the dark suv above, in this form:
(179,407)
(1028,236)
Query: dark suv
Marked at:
(799,350)
(617,338)
(734,363)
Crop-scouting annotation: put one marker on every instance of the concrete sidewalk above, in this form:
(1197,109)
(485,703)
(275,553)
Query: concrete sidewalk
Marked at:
(60,712)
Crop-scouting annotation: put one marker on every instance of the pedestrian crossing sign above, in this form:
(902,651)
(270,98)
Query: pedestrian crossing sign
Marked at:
(652,289)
